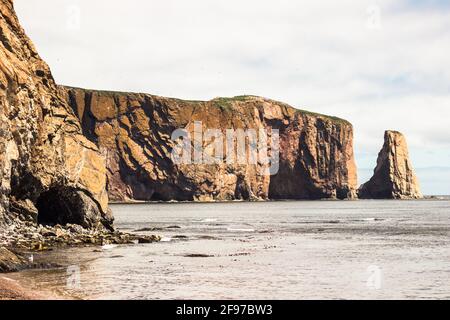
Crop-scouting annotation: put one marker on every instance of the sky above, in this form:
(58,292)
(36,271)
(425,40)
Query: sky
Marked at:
(381,64)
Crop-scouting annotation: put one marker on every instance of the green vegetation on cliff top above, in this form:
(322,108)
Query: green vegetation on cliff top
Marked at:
(224,103)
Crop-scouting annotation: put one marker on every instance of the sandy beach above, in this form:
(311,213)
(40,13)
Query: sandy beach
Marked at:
(12,290)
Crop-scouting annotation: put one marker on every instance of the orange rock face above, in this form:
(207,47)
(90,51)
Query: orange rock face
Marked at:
(134,132)
(64,150)
(46,164)
(394,177)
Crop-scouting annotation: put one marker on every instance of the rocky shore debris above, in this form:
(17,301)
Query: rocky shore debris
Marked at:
(20,238)
(13,261)
(38,238)
(198,255)
(148,229)
(151,229)
(180,237)
(10,261)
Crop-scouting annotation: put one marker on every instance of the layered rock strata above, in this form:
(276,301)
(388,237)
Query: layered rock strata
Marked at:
(134,132)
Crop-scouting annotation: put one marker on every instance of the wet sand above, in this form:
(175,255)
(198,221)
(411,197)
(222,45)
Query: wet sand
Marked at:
(300,250)
(12,290)
(380,250)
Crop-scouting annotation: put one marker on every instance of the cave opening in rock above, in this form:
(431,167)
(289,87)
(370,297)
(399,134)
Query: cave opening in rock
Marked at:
(58,206)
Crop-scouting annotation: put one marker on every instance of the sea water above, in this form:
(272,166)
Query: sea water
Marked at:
(263,250)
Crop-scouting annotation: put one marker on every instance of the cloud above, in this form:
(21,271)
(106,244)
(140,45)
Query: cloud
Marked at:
(380,64)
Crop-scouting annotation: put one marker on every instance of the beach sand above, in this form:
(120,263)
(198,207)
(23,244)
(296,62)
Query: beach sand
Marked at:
(12,290)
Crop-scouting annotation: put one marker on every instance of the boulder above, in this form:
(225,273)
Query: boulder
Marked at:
(11,262)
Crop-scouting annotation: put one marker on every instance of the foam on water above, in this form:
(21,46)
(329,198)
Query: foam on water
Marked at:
(302,250)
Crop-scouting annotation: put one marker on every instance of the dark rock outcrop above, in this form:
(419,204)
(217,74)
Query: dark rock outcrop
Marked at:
(134,132)
(394,176)
(49,172)
(11,262)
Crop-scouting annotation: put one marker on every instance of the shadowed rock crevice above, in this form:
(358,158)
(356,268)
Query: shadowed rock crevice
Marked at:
(65,205)
(59,206)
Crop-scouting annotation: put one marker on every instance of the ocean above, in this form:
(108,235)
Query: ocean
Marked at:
(263,250)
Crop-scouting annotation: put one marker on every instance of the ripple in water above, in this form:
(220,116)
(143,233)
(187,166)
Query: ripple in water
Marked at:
(300,250)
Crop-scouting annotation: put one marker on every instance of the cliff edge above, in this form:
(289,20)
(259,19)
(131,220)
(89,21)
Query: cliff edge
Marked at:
(134,132)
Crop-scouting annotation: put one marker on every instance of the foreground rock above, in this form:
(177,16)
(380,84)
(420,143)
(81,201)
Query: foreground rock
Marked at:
(394,177)
(10,261)
(21,238)
(31,237)
(49,172)
(134,132)
(12,290)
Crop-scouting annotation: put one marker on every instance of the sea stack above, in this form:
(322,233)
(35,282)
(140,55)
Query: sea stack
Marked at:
(394,177)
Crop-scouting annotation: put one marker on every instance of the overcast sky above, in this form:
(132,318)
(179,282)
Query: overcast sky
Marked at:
(381,64)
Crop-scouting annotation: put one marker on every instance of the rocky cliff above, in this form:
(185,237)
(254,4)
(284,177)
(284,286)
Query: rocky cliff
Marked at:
(394,176)
(49,172)
(134,132)
(54,142)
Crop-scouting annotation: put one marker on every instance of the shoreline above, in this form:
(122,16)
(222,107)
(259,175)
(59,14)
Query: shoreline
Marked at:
(140,202)
(11,289)
(13,259)
(21,239)
(12,262)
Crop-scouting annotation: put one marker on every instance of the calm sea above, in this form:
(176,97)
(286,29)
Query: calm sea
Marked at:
(273,250)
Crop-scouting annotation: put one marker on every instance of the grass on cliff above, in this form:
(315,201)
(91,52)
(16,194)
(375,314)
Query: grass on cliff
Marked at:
(320,115)
(225,103)
(108,93)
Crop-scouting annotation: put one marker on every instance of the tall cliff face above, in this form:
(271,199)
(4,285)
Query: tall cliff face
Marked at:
(49,172)
(394,177)
(134,132)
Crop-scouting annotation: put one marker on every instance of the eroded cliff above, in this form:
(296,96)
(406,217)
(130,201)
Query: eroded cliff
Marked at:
(134,132)
(394,177)
(49,172)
